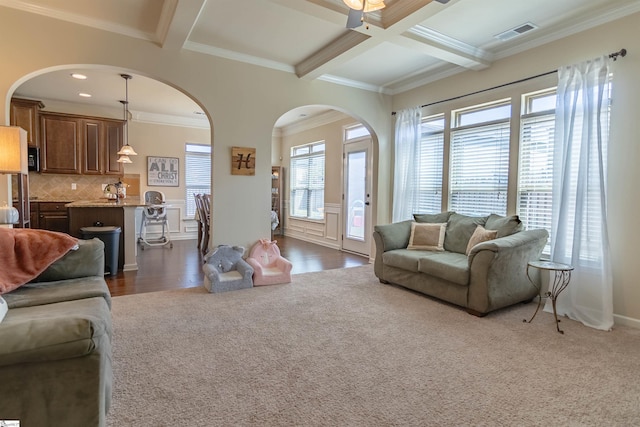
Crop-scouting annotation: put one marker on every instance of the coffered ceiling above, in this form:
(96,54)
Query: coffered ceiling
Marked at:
(407,44)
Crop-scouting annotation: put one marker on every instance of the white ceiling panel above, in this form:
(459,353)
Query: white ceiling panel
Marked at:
(385,63)
(419,42)
(264,30)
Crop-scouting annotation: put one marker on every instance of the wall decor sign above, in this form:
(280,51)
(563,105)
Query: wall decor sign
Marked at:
(162,171)
(243,161)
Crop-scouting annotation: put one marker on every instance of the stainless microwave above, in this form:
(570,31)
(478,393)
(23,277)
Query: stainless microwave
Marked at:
(33,159)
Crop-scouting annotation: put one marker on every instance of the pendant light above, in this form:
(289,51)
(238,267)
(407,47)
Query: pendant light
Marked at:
(126,149)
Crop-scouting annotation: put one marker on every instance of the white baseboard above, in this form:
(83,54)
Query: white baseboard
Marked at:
(626,321)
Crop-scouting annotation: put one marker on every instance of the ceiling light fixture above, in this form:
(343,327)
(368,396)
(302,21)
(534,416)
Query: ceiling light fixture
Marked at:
(84,95)
(358,8)
(126,149)
(367,5)
(79,76)
(124,159)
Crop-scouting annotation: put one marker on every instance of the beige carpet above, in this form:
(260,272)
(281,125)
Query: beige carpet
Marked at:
(337,348)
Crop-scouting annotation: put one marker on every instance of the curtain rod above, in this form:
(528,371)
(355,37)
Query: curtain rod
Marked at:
(622,53)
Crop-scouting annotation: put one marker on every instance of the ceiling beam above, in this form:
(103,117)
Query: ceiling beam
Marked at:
(176,22)
(398,23)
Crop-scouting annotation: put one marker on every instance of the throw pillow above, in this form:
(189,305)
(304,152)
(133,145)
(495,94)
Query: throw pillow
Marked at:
(505,225)
(459,231)
(479,236)
(438,218)
(427,237)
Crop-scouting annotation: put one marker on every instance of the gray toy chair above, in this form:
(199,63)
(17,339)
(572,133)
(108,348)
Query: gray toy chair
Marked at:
(225,270)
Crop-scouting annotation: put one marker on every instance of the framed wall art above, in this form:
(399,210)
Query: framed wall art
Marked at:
(243,161)
(163,171)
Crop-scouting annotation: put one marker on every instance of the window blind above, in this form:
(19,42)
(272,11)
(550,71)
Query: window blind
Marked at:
(197,175)
(429,173)
(535,178)
(479,169)
(307,185)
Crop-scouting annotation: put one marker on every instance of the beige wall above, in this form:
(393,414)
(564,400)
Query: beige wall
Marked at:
(624,149)
(242,101)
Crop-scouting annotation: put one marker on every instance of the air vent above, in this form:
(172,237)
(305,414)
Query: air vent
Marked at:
(515,32)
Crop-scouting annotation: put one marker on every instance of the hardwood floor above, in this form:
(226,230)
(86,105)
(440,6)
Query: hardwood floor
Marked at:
(161,268)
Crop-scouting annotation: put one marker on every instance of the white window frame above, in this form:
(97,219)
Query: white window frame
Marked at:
(479,161)
(304,185)
(201,155)
(534,204)
(429,169)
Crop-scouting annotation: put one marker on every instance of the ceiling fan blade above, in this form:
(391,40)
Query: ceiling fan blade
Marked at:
(354,19)
(443,1)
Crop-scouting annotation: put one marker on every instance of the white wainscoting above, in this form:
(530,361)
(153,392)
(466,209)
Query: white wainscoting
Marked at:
(326,233)
(180,228)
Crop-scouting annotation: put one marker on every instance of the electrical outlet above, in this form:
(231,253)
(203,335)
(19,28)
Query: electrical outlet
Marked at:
(74,186)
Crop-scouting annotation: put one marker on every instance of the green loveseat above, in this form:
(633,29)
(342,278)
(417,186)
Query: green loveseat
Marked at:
(55,344)
(493,274)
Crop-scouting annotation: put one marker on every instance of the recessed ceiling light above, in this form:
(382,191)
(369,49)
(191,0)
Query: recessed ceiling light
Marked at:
(79,76)
(85,95)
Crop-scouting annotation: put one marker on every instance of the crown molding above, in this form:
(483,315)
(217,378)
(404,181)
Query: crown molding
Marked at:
(313,122)
(78,19)
(353,83)
(568,29)
(235,56)
(169,120)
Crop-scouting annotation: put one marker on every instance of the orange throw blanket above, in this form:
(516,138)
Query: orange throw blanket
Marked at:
(25,253)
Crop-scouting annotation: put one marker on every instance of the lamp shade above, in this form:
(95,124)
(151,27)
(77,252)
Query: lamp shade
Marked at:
(13,150)
(369,5)
(127,150)
(124,159)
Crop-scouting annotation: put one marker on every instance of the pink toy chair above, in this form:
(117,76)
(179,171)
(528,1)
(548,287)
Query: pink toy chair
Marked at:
(269,267)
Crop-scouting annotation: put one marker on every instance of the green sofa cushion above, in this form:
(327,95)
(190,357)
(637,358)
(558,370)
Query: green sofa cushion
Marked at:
(38,293)
(53,331)
(395,235)
(450,266)
(459,231)
(505,226)
(433,218)
(404,259)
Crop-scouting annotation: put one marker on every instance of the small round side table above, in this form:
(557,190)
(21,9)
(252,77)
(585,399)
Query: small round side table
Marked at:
(562,276)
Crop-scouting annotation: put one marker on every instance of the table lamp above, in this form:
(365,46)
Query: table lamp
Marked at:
(13,159)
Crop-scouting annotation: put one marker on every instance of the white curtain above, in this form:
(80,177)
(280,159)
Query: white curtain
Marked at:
(407,140)
(579,236)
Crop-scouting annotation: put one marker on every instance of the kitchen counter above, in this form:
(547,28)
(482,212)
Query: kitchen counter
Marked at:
(86,213)
(106,203)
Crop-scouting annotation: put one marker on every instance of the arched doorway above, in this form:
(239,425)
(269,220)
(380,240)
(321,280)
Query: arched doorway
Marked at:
(163,120)
(301,137)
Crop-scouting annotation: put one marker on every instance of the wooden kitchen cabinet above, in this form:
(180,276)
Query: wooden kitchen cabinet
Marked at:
(60,143)
(25,113)
(113,142)
(50,216)
(80,145)
(101,141)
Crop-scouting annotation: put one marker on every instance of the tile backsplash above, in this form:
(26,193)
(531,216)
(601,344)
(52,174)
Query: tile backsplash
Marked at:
(58,187)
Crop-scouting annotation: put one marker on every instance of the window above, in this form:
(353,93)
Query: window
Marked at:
(429,168)
(535,175)
(355,132)
(307,181)
(197,174)
(480,159)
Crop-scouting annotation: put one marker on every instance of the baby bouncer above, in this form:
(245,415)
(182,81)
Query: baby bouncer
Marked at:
(154,212)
